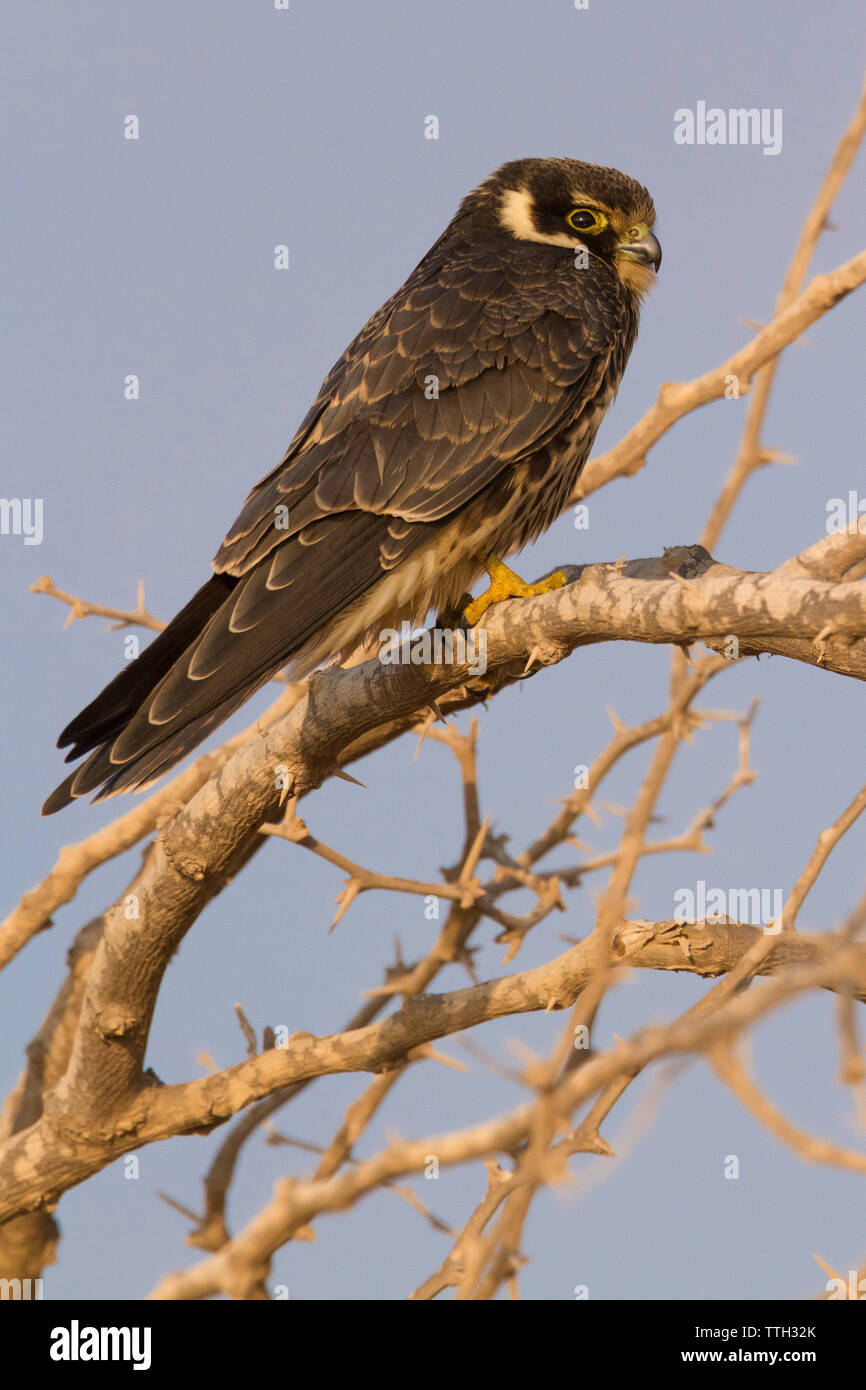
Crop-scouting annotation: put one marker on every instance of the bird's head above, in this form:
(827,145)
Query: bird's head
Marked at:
(562,202)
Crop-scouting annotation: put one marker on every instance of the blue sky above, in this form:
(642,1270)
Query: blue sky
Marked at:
(155,257)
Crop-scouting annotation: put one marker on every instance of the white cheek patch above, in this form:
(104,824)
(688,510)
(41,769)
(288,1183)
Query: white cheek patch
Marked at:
(515,214)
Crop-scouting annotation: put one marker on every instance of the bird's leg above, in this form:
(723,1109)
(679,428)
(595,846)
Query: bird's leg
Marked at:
(504,583)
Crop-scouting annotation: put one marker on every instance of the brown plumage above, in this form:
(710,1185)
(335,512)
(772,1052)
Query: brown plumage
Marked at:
(453,428)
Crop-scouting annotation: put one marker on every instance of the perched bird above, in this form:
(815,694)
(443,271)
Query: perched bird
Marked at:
(450,433)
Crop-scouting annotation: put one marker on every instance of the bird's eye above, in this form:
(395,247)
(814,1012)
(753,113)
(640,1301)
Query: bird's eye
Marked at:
(586,220)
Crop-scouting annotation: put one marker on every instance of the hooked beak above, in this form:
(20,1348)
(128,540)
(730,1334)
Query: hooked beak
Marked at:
(645,250)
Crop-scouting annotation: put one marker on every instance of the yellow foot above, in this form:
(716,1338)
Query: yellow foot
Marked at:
(504,583)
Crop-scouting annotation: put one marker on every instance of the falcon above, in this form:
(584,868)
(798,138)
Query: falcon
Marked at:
(449,435)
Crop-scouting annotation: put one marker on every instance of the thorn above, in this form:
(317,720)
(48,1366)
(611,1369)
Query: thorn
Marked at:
(470,863)
(615,720)
(178,1206)
(514,943)
(826,1268)
(422,736)
(425,1051)
(345,777)
(345,899)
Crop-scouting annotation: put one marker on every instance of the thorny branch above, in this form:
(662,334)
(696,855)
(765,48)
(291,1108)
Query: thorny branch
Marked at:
(85,1097)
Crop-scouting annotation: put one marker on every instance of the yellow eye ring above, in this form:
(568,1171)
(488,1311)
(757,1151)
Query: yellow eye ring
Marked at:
(587,220)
